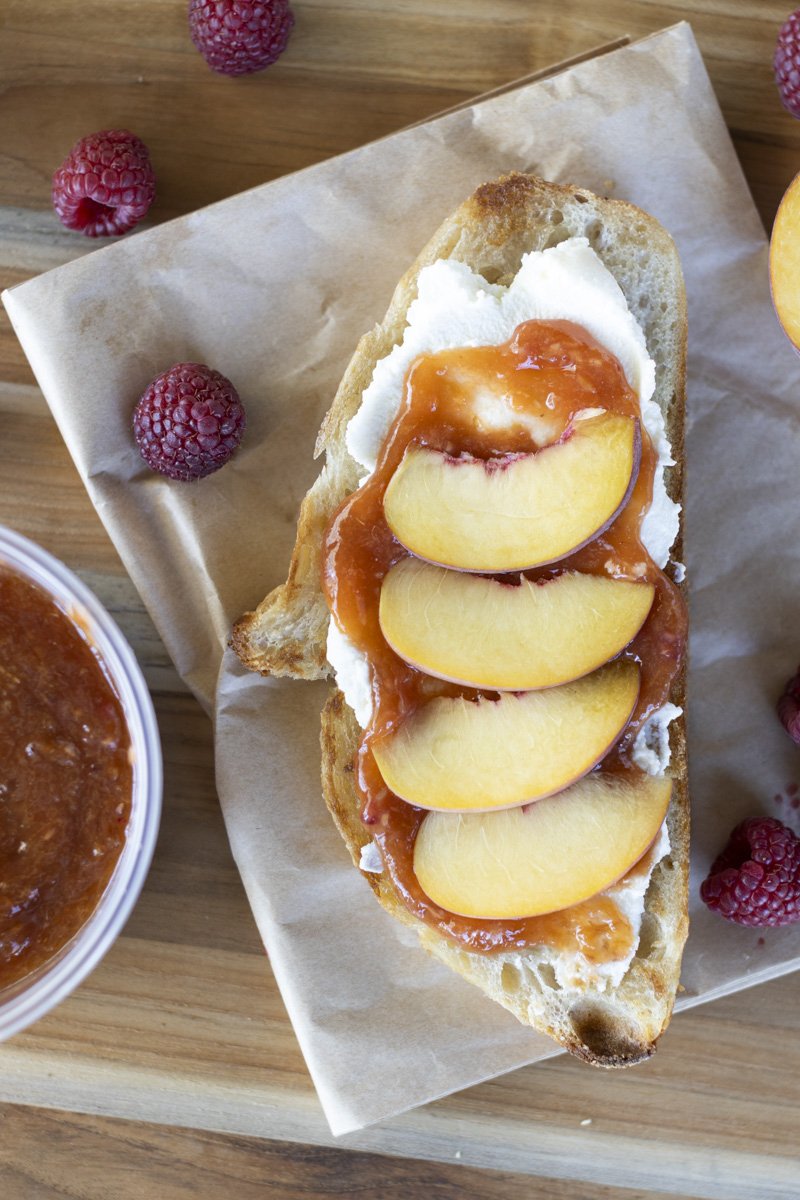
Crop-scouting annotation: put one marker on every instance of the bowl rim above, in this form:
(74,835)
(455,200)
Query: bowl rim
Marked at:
(35,994)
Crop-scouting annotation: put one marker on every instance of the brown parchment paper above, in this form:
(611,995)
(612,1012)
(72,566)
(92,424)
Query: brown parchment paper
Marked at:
(273,288)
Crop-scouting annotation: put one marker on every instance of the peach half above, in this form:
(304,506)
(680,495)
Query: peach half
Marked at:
(507,636)
(544,857)
(518,511)
(784,262)
(476,755)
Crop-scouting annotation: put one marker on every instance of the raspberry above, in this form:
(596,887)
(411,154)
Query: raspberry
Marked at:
(756,878)
(105,184)
(789,708)
(189,422)
(236,37)
(786,63)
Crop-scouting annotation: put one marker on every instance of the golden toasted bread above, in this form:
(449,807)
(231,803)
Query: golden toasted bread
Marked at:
(287,633)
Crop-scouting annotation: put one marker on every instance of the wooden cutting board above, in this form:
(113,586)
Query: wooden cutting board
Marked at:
(182,1023)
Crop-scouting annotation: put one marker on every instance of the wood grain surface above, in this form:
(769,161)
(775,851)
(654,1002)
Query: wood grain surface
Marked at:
(173,1070)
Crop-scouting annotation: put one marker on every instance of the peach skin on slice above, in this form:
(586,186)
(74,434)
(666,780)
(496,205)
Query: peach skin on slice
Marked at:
(520,510)
(545,856)
(476,755)
(508,636)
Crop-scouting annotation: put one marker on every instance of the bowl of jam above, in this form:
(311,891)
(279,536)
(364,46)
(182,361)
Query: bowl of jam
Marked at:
(80,781)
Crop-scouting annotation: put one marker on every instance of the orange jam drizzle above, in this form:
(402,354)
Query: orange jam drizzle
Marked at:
(539,380)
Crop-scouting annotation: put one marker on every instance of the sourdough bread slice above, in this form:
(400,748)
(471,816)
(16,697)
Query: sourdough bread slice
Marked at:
(287,633)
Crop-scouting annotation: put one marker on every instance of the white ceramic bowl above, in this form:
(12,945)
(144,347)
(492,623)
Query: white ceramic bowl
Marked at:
(31,997)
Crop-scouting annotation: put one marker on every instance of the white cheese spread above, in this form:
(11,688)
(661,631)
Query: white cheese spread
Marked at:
(351,668)
(371,859)
(455,307)
(651,748)
(573,971)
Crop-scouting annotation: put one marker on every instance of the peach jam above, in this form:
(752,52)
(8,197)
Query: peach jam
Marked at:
(66,779)
(538,380)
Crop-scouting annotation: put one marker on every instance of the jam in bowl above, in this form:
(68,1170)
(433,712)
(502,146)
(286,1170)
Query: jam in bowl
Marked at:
(80,781)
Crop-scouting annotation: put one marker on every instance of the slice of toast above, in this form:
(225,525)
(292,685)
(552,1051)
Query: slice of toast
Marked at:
(287,633)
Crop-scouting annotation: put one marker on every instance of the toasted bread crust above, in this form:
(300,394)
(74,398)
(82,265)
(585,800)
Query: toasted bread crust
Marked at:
(613,1030)
(287,634)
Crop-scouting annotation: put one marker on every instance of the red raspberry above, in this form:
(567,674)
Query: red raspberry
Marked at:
(786,63)
(189,422)
(236,37)
(789,708)
(756,878)
(105,184)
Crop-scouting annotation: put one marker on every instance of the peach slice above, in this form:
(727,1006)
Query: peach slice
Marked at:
(546,856)
(476,755)
(784,262)
(504,636)
(520,510)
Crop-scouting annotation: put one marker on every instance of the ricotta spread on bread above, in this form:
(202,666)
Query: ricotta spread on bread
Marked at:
(651,749)
(574,972)
(351,670)
(456,307)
